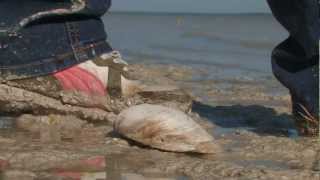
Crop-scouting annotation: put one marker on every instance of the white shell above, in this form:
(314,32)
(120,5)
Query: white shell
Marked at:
(165,129)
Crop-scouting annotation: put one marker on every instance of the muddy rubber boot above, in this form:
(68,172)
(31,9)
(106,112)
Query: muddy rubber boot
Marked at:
(301,76)
(86,84)
(102,83)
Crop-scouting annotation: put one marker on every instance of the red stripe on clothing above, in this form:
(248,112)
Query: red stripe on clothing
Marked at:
(78,79)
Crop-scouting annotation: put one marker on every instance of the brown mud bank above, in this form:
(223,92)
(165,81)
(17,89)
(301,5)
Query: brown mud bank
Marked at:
(249,119)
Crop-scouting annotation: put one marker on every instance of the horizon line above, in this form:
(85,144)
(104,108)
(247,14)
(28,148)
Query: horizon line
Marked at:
(187,13)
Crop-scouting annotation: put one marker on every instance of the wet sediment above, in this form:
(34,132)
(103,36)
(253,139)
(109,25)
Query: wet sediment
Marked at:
(258,137)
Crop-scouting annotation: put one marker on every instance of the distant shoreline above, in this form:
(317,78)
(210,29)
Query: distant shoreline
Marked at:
(186,13)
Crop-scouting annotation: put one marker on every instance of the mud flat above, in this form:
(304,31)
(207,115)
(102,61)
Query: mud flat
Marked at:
(249,118)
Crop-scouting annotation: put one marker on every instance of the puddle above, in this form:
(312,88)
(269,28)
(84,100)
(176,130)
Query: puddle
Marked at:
(131,167)
(293,133)
(124,166)
(7,122)
(221,131)
(8,127)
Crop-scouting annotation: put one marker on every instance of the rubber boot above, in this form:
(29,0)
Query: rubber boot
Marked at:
(301,76)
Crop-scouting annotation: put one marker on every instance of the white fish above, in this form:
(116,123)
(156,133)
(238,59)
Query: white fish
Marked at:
(165,129)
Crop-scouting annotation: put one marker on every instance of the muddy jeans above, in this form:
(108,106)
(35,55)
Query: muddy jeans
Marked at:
(39,37)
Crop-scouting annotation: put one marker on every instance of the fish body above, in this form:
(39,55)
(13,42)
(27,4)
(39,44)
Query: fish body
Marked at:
(164,128)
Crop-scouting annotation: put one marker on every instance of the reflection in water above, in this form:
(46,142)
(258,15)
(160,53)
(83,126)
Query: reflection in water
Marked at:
(6,122)
(129,166)
(7,126)
(241,42)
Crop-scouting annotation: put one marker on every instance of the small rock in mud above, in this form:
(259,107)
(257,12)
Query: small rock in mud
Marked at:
(164,128)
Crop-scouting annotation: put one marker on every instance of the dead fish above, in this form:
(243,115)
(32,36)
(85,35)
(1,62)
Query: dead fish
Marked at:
(163,128)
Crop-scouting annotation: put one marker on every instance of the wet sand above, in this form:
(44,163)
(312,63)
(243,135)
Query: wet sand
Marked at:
(249,117)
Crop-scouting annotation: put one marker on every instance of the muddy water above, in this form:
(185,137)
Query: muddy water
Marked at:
(6,122)
(127,165)
(249,120)
(8,127)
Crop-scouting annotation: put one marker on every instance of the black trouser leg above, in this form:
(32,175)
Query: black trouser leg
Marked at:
(295,61)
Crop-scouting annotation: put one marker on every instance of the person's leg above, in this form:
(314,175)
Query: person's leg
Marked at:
(61,48)
(301,20)
(92,82)
(295,61)
(98,84)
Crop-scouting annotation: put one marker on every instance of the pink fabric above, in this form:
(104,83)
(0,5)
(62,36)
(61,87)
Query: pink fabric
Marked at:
(78,79)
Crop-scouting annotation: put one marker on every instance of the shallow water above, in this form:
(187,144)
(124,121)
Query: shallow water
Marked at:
(6,122)
(126,164)
(118,167)
(7,126)
(240,44)
(231,49)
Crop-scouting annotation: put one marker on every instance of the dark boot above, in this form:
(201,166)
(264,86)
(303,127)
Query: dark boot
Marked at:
(301,76)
